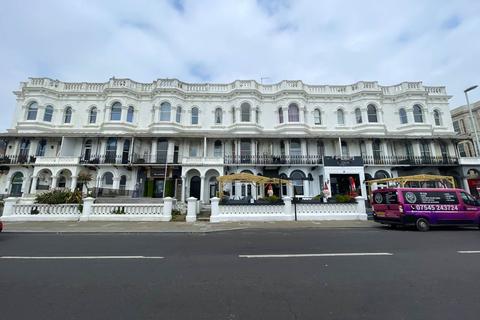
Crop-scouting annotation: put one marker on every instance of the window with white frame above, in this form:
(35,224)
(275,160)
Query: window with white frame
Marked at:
(358,115)
(116,112)
(194,115)
(403,116)
(32,111)
(437,118)
(67,118)
(178,116)
(372,113)
(165,110)
(293,113)
(48,115)
(340,117)
(317,117)
(417,113)
(245,112)
(92,117)
(130,113)
(218,116)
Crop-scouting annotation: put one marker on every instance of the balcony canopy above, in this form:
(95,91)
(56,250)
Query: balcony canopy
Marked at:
(446,181)
(248,178)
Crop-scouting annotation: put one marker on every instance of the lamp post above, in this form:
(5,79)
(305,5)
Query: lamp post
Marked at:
(474,124)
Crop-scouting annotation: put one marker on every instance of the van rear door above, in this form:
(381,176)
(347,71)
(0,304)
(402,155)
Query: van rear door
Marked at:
(391,198)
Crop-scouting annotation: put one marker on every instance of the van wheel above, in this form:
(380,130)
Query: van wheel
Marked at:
(422,224)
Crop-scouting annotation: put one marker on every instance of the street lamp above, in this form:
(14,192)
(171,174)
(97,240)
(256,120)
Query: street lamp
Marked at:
(474,123)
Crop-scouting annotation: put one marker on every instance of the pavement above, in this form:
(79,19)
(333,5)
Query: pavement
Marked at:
(134,227)
(269,273)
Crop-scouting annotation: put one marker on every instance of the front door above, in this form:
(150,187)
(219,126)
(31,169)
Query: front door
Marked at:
(195,187)
(158,188)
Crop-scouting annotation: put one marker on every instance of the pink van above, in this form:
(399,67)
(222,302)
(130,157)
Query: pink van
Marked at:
(424,207)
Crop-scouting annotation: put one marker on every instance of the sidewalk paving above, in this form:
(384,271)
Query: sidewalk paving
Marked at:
(134,227)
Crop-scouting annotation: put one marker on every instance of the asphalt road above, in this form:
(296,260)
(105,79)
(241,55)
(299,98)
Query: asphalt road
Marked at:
(203,276)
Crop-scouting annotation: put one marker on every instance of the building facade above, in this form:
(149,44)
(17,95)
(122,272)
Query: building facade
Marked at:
(469,161)
(174,138)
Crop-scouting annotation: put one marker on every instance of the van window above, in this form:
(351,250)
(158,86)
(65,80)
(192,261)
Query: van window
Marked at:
(430,197)
(468,199)
(389,197)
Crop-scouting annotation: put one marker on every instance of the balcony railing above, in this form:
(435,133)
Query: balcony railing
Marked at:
(273,159)
(104,159)
(409,160)
(19,159)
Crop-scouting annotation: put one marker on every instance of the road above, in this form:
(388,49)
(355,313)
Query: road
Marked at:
(387,274)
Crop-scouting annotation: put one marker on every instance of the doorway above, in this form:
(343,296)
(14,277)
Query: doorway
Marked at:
(195,187)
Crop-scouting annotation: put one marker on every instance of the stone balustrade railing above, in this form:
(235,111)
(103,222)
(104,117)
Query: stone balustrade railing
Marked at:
(285,85)
(305,210)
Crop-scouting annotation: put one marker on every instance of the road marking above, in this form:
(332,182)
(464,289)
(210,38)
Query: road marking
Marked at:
(466,251)
(78,257)
(305,255)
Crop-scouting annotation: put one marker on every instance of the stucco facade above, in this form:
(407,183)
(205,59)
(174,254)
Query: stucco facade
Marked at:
(130,136)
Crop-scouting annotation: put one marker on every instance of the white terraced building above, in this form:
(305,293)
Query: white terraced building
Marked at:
(141,139)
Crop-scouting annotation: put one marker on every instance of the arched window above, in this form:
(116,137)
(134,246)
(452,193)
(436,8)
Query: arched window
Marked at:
(217,149)
(67,118)
(295,147)
(32,111)
(162,150)
(358,115)
(381,174)
(437,118)
(372,113)
(320,148)
(107,179)
(340,117)
(42,144)
(130,113)
(293,113)
(403,116)
(280,115)
(87,150)
(116,112)
(165,110)
(345,152)
(317,117)
(17,181)
(194,115)
(92,117)
(245,112)
(417,113)
(178,117)
(297,178)
(123,182)
(62,181)
(218,116)
(48,115)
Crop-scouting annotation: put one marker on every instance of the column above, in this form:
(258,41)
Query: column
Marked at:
(119,151)
(25,184)
(33,189)
(53,185)
(204,147)
(184,188)
(306,188)
(153,151)
(202,189)
(116,183)
(73,185)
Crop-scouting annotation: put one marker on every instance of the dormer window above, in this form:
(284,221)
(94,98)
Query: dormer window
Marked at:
(32,111)
(165,110)
(293,113)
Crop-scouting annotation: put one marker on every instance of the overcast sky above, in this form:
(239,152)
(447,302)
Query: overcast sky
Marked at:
(319,42)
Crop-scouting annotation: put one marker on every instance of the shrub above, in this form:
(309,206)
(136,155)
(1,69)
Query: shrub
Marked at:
(318,196)
(344,198)
(59,197)
(272,198)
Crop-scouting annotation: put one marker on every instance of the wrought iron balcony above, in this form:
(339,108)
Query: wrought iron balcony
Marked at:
(273,159)
(18,159)
(409,160)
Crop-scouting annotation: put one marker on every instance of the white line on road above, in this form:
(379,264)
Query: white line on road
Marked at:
(304,255)
(78,257)
(466,251)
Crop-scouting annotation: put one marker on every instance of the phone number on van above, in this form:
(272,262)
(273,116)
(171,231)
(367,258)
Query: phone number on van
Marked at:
(434,207)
